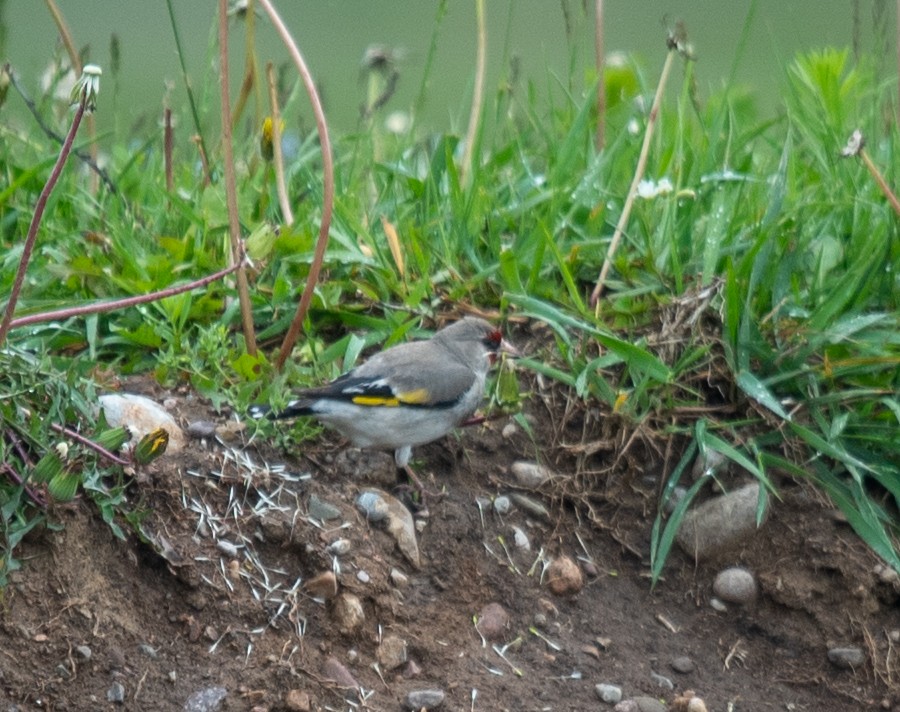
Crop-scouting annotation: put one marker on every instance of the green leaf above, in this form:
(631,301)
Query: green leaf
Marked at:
(759,392)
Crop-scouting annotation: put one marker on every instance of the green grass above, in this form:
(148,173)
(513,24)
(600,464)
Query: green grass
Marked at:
(766,279)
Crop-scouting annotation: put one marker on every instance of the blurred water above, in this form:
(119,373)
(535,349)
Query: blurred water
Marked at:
(334,34)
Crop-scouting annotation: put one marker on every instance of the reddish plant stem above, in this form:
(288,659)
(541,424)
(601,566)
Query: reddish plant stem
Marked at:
(69,312)
(39,208)
(88,443)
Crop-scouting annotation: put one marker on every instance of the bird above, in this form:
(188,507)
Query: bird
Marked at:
(407,395)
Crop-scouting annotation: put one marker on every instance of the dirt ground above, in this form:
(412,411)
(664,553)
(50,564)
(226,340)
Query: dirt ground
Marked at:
(217,597)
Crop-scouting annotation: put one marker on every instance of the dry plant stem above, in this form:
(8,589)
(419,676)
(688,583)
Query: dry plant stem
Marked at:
(600,61)
(277,155)
(638,175)
(102,307)
(234,221)
(39,208)
(167,148)
(327,190)
(882,183)
(477,94)
(16,478)
(49,132)
(75,61)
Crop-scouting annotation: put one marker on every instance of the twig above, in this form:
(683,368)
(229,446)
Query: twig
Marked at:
(477,94)
(168,141)
(88,443)
(102,307)
(856,147)
(277,154)
(234,219)
(39,208)
(638,175)
(327,189)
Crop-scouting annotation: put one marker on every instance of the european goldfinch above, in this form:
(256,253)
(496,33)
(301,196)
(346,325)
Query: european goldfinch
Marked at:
(407,395)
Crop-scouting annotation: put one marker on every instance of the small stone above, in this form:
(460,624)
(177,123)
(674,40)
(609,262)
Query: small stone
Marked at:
(735,585)
(502,505)
(116,693)
(363,576)
(649,704)
(226,547)
(391,652)
(142,416)
(201,429)
(610,694)
(208,700)
(424,700)
(718,605)
(530,474)
(379,506)
(531,506)
(509,430)
(373,506)
(412,669)
(84,651)
(334,670)
(627,706)
(348,613)
(340,547)
(148,650)
(683,665)
(172,676)
(564,577)
(719,523)
(63,671)
(296,701)
(323,585)
(662,680)
(520,538)
(399,579)
(493,622)
(322,510)
(847,657)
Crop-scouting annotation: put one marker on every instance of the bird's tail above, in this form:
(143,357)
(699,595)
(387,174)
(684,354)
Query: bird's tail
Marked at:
(294,409)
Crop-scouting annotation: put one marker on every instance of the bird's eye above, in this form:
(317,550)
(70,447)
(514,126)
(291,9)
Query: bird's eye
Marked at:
(493,339)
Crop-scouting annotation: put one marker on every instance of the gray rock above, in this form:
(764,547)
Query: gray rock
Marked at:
(322,510)
(116,693)
(201,429)
(399,521)
(683,665)
(719,523)
(735,585)
(347,612)
(208,700)
(610,694)
(340,547)
(521,540)
(502,505)
(148,650)
(662,680)
(640,704)
(84,651)
(847,658)
(424,700)
(531,506)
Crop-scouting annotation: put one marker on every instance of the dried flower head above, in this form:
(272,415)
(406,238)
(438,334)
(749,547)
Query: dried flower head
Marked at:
(87,88)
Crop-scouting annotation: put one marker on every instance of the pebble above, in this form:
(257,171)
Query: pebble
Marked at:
(84,651)
(334,670)
(380,506)
(148,650)
(208,700)
(564,576)
(520,538)
(719,523)
(323,585)
(530,474)
(322,510)
(847,657)
(683,665)
(530,505)
(718,605)
(502,504)
(708,463)
(226,547)
(340,547)
(348,613)
(363,576)
(493,622)
(610,694)
(678,493)
(423,700)
(373,506)
(296,701)
(662,680)
(116,693)
(735,585)
(640,704)
(201,429)
(399,579)
(392,652)
(412,669)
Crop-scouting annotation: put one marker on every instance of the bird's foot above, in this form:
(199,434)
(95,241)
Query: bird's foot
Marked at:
(417,494)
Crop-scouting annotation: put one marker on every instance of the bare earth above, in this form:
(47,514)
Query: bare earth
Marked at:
(217,600)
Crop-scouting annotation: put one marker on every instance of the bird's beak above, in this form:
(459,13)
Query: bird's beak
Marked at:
(508,349)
